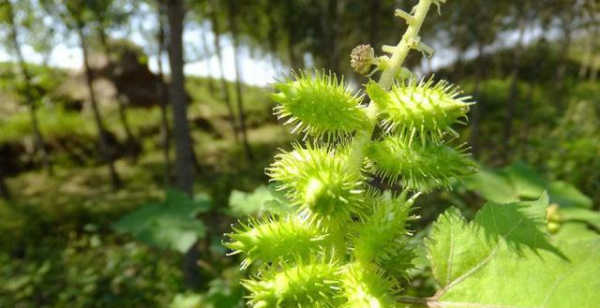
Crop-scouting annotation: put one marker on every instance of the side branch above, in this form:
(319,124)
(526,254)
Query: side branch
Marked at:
(385,81)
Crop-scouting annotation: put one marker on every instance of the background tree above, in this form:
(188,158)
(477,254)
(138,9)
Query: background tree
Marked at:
(209,11)
(4,191)
(521,14)
(7,15)
(77,17)
(233,26)
(163,92)
(107,15)
(184,162)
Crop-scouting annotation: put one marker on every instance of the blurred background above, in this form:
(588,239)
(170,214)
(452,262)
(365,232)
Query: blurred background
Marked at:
(134,132)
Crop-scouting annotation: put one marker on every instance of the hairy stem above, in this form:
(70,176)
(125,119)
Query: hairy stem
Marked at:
(385,81)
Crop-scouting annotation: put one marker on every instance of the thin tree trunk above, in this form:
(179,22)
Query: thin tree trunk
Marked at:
(459,65)
(291,42)
(340,12)
(184,163)
(103,138)
(165,133)
(30,100)
(594,72)
(211,85)
(130,140)
(293,58)
(334,12)
(238,84)
(526,121)
(561,71)
(475,113)
(513,94)
(375,7)
(328,24)
(272,38)
(224,88)
(588,58)
(594,59)
(4,191)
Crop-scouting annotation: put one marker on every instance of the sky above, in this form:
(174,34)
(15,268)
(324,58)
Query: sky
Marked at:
(255,69)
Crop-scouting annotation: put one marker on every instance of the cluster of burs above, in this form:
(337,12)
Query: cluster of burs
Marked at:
(338,237)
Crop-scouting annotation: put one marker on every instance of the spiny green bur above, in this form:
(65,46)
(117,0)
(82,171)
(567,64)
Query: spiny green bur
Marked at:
(368,286)
(421,108)
(271,239)
(313,285)
(379,235)
(315,181)
(344,242)
(418,166)
(319,105)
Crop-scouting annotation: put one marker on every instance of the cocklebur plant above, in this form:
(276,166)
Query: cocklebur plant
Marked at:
(342,241)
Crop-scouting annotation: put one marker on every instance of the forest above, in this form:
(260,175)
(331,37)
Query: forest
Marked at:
(299,153)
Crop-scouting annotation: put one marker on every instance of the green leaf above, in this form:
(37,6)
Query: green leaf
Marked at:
(521,182)
(504,259)
(566,194)
(526,182)
(491,185)
(575,231)
(186,301)
(244,204)
(582,215)
(167,225)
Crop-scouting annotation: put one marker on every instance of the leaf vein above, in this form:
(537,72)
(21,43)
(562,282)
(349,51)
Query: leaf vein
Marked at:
(479,265)
(450,257)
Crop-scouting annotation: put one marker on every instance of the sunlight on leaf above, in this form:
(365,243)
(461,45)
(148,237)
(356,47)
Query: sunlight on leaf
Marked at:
(168,225)
(504,259)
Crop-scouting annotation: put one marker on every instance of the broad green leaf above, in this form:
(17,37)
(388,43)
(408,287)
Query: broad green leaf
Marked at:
(186,301)
(244,204)
(566,194)
(504,259)
(168,225)
(492,186)
(575,231)
(520,182)
(584,215)
(262,199)
(526,182)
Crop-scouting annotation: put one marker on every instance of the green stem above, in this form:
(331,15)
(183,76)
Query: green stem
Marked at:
(363,136)
(337,237)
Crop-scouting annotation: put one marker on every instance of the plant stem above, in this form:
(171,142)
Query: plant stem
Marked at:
(337,237)
(420,302)
(363,136)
